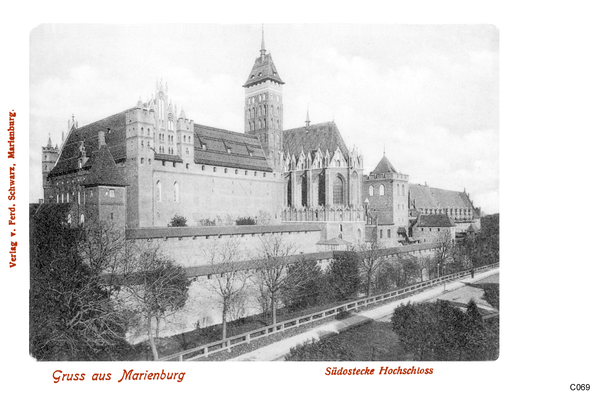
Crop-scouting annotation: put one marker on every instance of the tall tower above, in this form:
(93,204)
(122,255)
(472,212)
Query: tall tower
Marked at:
(263,108)
(49,157)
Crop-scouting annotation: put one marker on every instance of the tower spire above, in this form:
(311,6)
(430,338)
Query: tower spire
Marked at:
(262,43)
(307,118)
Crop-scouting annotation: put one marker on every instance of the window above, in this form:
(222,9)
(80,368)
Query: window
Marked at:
(381,234)
(381,190)
(111,216)
(111,193)
(214,169)
(176,192)
(142,160)
(78,197)
(81,219)
(338,190)
(67,197)
(403,189)
(69,218)
(158,191)
(370,190)
(389,233)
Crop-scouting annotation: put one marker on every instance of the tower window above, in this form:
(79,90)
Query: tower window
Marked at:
(111,193)
(370,190)
(158,192)
(381,190)
(176,192)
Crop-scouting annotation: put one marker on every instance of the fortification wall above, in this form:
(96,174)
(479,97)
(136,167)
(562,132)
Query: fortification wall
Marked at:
(192,246)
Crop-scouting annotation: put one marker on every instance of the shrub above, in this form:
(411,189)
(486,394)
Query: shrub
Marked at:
(178,220)
(321,351)
(343,315)
(245,221)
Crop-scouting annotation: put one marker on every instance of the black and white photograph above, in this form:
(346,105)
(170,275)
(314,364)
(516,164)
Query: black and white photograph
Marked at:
(250,204)
(276,186)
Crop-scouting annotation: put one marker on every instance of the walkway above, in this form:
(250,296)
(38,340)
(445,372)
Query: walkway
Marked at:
(277,351)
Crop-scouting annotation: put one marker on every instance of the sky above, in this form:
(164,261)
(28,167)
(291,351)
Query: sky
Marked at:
(427,95)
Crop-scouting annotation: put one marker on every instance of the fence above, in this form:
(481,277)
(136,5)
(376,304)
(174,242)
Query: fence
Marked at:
(227,344)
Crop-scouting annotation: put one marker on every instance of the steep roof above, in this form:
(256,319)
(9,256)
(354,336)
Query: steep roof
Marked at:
(324,136)
(104,171)
(88,134)
(244,152)
(263,69)
(428,197)
(434,221)
(384,167)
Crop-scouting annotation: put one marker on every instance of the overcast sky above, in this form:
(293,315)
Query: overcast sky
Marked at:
(428,94)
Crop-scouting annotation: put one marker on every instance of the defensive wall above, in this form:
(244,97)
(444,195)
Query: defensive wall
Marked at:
(187,246)
(192,246)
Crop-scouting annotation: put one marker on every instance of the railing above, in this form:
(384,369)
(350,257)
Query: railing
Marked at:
(227,344)
(322,214)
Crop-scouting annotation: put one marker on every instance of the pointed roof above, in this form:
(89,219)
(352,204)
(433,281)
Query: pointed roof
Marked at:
(384,167)
(324,136)
(264,68)
(429,197)
(49,141)
(104,171)
(88,134)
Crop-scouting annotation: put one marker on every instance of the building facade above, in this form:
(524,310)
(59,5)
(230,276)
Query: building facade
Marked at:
(166,164)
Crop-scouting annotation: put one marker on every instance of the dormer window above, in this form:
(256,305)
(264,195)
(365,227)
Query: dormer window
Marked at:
(260,74)
(251,76)
(229,150)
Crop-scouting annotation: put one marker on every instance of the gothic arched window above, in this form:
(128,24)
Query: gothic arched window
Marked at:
(370,190)
(158,191)
(381,190)
(338,190)
(176,191)
(304,192)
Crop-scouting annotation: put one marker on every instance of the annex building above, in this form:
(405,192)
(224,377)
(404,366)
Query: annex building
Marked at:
(144,165)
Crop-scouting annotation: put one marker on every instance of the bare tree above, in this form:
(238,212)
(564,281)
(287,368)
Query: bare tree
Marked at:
(229,277)
(271,269)
(444,250)
(369,255)
(155,287)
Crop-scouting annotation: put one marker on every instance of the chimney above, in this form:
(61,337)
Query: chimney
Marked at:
(101,139)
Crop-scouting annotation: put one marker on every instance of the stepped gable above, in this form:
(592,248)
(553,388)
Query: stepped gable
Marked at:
(384,167)
(434,221)
(115,140)
(428,197)
(324,136)
(245,151)
(104,171)
(263,69)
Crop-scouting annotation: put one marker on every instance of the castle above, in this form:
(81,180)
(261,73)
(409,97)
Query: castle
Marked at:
(142,166)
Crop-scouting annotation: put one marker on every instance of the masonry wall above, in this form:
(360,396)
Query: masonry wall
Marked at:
(431,234)
(194,250)
(203,192)
(203,307)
